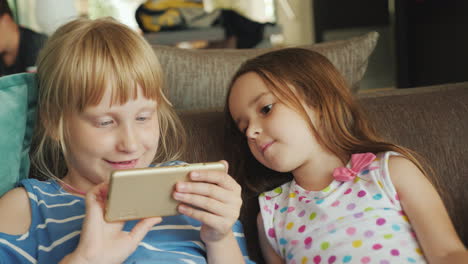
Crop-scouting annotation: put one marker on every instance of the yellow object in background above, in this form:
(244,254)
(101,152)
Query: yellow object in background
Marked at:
(261,11)
(159,15)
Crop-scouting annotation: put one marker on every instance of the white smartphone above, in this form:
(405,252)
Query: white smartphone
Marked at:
(140,193)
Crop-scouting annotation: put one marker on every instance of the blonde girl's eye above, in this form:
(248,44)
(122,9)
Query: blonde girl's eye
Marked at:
(143,118)
(266,109)
(105,123)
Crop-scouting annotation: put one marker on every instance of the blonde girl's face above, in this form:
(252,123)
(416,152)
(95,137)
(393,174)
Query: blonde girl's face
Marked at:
(108,137)
(278,136)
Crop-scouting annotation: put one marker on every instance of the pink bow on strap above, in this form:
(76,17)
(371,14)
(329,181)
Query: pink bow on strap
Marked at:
(358,162)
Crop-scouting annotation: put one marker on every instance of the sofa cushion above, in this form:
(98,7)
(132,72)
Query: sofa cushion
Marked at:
(198,79)
(17,117)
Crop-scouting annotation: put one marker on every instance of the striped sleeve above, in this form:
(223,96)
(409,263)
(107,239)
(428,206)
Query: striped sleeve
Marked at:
(238,231)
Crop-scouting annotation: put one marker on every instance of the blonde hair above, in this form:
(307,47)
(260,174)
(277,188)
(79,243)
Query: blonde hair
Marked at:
(78,63)
(296,76)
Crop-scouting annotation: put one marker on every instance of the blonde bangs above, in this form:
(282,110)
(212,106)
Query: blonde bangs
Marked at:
(97,62)
(109,64)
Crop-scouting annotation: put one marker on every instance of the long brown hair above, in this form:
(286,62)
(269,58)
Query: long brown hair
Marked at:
(296,76)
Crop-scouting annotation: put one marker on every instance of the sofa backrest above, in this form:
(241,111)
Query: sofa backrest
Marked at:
(433,121)
(198,79)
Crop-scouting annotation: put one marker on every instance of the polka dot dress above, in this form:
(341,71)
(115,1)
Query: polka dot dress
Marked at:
(359,221)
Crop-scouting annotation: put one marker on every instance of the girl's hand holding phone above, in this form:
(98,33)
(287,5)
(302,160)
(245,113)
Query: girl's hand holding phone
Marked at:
(106,242)
(213,198)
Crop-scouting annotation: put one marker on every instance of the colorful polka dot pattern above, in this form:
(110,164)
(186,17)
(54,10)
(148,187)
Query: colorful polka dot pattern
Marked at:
(359,221)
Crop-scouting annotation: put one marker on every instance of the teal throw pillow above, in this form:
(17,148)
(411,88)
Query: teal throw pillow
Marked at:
(18,100)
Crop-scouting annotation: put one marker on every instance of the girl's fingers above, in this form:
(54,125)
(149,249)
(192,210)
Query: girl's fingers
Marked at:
(98,194)
(140,230)
(220,224)
(95,201)
(210,190)
(221,179)
(208,204)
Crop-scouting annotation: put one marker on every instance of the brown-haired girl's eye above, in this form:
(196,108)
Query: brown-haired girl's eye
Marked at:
(242,130)
(266,109)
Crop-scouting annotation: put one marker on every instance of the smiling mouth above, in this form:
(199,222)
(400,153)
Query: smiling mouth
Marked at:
(119,165)
(266,146)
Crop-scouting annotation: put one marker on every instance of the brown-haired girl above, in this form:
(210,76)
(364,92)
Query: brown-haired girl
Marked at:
(353,198)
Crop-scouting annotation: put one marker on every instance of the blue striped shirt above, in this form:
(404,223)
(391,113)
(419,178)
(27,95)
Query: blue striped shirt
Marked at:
(57,218)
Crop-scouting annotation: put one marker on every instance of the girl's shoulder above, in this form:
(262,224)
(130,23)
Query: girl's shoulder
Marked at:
(18,199)
(382,158)
(15,205)
(38,190)
(381,173)
(380,165)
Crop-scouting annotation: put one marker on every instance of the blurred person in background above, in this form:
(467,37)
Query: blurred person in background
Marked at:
(19,46)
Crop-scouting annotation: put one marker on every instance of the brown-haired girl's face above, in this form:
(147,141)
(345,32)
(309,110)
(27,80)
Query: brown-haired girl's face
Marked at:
(278,136)
(107,137)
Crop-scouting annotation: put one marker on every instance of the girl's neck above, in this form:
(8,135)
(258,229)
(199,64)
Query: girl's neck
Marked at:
(317,173)
(72,189)
(72,186)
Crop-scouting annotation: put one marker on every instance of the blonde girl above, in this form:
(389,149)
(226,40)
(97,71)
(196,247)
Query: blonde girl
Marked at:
(352,197)
(101,108)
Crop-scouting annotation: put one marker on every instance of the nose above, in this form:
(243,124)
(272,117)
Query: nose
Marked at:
(253,131)
(128,140)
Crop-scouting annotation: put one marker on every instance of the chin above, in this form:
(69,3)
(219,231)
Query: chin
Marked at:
(279,167)
(282,170)
(283,166)
(143,164)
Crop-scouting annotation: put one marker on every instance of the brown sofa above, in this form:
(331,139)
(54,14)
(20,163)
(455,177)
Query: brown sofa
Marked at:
(431,120)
